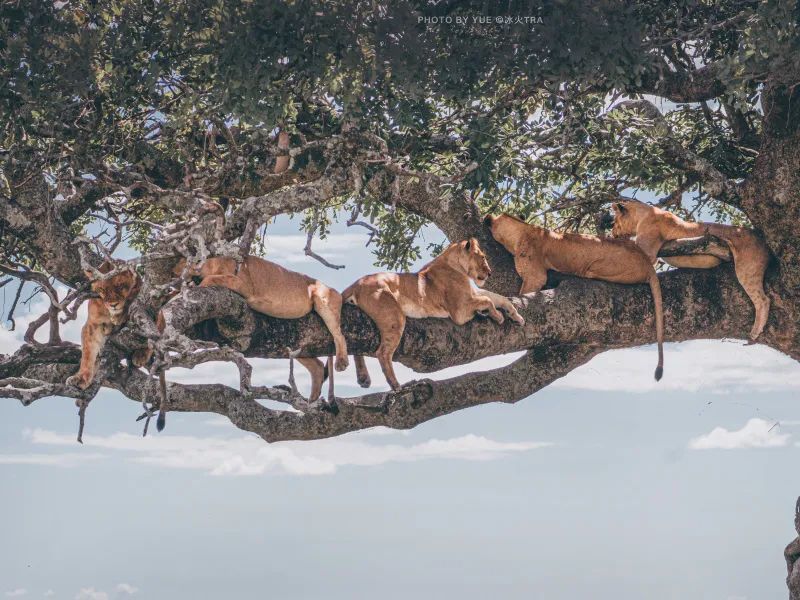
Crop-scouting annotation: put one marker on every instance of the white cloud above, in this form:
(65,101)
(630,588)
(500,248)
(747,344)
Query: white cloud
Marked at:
(17,593)
(126,589)
(757,433)
(67,459)
(249,455)
(91,594)
(287,249)
(11,340)
(702,365)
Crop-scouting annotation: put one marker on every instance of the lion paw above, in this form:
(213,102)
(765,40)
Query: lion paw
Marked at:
(79,380)
(518,318)
(141,357)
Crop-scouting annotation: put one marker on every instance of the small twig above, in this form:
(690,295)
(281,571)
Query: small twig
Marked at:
(310,237)
(10,316)
(292,383)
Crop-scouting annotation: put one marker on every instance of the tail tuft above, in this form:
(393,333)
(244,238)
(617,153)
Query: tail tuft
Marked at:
(659,373)
(161,421)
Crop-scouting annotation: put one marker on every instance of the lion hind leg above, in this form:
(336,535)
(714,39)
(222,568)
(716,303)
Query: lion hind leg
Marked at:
(328,305)
(383,308)
(750,274)
(362,374)
(317,370)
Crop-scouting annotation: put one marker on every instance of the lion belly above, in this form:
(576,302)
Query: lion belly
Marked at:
(417,310)
(281,307)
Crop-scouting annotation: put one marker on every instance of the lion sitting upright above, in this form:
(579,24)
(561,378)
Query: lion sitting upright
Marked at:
(536,250)
(652,226)
(440,289)
(106,312)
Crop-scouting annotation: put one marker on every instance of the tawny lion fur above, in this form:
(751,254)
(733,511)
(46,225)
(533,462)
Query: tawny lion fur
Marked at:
(107,312)
(440,289)
(277,292)
(652,226)
(536,250)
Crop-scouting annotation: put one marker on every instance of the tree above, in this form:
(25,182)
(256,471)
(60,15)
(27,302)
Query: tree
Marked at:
(138,121)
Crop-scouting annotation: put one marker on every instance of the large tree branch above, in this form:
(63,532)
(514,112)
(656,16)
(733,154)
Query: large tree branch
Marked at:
(565,327)
(698,85)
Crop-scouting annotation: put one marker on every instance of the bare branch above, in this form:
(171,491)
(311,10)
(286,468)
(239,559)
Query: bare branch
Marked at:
(310,237)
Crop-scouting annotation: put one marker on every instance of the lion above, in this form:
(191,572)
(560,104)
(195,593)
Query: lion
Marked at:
(536,250)
(652,226)
(441,289)
(107,312)
(277,292)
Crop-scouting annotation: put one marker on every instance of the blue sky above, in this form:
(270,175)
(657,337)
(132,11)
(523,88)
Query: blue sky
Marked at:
(605,484)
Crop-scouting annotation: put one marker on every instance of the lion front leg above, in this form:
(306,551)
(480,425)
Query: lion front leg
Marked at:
(475,304)
(505,305)
(93,338)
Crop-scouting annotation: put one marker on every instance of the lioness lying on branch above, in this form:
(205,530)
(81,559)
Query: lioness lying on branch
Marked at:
(536,250)
(440,289)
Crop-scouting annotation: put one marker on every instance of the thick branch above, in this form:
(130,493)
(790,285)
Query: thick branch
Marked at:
(685,86)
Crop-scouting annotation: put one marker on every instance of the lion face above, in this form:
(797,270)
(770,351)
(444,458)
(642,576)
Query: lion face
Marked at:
(116,291)
(473,261)
(626,219)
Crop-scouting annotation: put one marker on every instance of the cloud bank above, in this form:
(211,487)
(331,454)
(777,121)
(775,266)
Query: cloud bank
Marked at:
(249,455)
(757,433)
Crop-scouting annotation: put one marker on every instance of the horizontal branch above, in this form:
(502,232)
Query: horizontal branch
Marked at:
(565,327)
(685,86)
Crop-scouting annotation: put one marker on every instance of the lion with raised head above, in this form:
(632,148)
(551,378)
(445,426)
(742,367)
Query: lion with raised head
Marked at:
(441,289)
(107,312)
(652,226)
(536,249)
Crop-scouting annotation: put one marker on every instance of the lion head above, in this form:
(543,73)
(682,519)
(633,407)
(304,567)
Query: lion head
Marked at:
(627,216)
(506,229)
(117,291)
(468,257)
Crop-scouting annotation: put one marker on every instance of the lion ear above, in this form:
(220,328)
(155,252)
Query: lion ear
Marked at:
(621,208)
(468,245)
(89,274)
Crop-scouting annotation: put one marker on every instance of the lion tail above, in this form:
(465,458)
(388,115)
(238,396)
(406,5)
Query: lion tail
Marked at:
(161,421)
(655,288)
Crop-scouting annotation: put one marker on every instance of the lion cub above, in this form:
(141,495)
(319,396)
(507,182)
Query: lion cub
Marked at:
(653,226)
(441,289)
(536,250)
(107,312)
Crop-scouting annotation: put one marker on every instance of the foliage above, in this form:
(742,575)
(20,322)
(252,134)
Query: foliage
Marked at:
(197,88)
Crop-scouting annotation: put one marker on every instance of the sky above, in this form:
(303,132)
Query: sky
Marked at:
(604,485)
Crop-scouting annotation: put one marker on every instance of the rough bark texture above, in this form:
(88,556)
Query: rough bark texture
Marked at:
(564,328)
(792,556)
